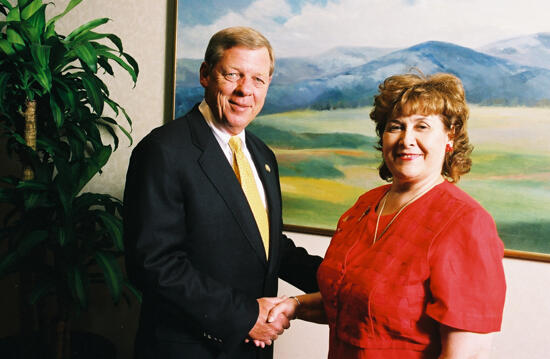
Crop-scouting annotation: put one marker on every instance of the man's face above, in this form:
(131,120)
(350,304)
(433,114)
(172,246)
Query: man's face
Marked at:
(235,88)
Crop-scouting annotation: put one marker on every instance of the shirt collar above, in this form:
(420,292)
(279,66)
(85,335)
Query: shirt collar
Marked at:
(219,133)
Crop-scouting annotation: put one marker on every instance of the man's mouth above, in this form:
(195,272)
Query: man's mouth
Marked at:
(238,105)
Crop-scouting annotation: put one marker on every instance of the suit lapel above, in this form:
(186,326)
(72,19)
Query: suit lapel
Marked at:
(216,167)
(266,172)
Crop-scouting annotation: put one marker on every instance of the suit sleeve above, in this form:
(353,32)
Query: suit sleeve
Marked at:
(298,267)
(157,258)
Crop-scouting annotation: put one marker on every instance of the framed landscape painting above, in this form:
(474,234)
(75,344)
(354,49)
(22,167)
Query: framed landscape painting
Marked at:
(331,55)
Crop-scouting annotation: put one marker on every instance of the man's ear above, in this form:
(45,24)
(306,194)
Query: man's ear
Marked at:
(204,74)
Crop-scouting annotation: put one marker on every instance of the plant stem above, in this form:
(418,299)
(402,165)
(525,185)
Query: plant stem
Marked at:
(30,135)
(60,338)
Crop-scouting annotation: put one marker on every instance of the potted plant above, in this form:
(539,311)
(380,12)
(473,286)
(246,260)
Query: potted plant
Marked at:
(56,115)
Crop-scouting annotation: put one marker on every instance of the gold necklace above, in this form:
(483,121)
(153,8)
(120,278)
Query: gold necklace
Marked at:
(414,198)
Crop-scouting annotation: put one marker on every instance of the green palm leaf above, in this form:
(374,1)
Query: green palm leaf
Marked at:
(133,72)
(57,113)
(14,15)
(31,9)
(86,27)
(30,241)
(14,37)
(93,91)
(43,288)
(62,237)
(88,55)
(7,261)
(113,225)
(43,76)
(76,282)
(6,3)
(111,273)
(92,166)
(69,7)
(41,54)
(34,26)
(6,47)
(134,290)
(34,185)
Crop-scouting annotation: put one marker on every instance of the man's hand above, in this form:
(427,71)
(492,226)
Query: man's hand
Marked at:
(264,333)
(285,308)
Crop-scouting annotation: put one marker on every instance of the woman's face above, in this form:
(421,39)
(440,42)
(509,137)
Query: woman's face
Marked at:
(414,147)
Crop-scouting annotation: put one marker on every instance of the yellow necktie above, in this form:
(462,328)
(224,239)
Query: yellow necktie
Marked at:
(244,174)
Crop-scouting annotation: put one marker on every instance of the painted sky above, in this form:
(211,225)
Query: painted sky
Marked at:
(309,27)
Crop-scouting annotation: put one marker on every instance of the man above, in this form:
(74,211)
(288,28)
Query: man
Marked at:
(202,218)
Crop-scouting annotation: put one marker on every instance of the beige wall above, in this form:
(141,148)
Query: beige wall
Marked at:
(146,29)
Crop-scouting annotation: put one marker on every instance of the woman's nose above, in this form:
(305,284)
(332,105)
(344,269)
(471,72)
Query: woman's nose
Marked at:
(407,137)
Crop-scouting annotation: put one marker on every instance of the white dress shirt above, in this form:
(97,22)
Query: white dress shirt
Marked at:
(223,140)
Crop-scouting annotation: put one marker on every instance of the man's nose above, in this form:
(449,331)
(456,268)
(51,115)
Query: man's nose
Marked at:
(245,86)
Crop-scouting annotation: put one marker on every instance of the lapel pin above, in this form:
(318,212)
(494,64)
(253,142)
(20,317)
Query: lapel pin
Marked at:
(267,168)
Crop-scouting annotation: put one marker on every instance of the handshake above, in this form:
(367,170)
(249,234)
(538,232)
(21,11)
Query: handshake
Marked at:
(275,316)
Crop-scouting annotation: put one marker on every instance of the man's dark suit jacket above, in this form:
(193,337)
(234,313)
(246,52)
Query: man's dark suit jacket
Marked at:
(193,246)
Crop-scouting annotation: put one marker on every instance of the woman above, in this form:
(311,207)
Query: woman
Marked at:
(414,269)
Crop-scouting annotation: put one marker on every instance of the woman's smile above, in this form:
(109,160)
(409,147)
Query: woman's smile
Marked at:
(409,156)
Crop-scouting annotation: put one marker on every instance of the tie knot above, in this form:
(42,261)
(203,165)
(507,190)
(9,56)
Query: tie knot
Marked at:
(235,143)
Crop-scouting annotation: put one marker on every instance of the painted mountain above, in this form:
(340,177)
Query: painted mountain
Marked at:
(531,50)
(349,77)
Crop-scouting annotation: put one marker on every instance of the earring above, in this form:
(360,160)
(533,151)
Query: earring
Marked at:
(449,148)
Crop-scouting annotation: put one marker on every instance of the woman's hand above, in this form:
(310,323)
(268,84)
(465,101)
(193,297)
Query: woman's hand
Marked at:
(286,308)
(307,307)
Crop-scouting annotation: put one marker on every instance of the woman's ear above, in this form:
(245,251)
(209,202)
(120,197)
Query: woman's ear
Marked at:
(451,134)
(449,147)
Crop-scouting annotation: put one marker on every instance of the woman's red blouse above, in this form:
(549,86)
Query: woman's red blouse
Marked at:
(440,261)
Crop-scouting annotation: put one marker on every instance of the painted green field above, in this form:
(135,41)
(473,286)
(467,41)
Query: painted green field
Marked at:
(327,159)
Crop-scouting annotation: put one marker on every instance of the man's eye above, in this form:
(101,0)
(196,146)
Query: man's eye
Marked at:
(260,80)
(231,76)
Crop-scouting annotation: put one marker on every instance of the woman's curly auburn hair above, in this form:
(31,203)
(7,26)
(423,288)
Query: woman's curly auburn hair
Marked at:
(439,94)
